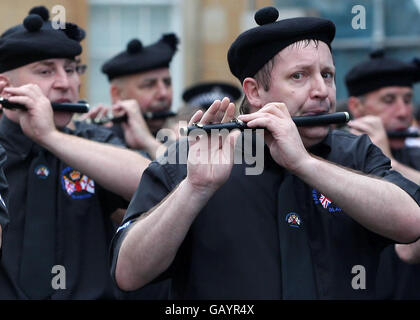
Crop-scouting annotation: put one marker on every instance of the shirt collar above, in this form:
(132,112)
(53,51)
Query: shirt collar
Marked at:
(323,148)
(14,134)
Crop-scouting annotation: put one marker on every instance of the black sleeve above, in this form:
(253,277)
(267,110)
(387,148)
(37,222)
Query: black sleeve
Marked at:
(4,216)
(380,165)
(359,153)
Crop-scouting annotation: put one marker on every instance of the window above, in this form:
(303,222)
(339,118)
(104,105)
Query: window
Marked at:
(112,24)
(392,25)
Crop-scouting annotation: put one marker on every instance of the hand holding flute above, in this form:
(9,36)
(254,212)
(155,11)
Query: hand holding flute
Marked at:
(305,121)
(287,144)
(137,133)
(34,111)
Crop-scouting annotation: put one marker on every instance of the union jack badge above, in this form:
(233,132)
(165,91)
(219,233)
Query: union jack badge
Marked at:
(324,202)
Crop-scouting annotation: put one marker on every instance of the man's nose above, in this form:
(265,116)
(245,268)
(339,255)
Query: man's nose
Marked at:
(319,89)
(403,108)
(61,79)
(163,89)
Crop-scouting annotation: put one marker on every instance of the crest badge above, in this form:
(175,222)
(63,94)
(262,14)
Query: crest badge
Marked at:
(42,171)
(293,220)
(77,185)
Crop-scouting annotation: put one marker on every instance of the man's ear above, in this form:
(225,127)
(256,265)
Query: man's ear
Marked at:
(356,107)
(116,92)
(251,89)
(4,82)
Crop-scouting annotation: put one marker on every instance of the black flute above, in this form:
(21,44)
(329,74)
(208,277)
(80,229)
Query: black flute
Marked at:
(158,115)
(146,116)
(304,121)
(80,107)
(403,134)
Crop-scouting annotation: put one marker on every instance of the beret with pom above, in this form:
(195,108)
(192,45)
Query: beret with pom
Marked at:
(378,72)
(253,48)
(138,58)
(36,39)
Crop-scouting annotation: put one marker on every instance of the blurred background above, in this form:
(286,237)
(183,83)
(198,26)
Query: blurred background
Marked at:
(207,28)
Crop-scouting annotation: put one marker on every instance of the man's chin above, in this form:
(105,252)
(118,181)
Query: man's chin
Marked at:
(62,119)
(313,135)
(155,125)
(397,143)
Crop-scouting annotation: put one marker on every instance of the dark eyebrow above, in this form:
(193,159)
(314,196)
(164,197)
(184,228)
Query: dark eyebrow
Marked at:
(309,66)
(301,66)
(148,80)
(389,95)
(45,63)
(70,62)
(329,68)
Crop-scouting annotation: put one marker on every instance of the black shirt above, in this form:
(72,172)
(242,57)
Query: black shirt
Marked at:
(4,216)
(271,236)
(396,279)
(83,227)
(153,291)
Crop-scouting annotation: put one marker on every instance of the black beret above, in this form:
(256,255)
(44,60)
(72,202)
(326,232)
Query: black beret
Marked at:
(205,93)
(138,58)
(72,30)
(37,40)
(255,47)
(378,72)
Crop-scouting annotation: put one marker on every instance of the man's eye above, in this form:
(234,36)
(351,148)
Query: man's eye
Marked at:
(147,85)
(327,75)
(45,72)
(388,100)
(70,70)
(297,75)
(167,82)
(81,69)
(408,100)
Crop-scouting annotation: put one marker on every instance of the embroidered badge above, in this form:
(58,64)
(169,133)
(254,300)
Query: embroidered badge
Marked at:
(42,171)
(293,220)
(77,185)
(324,202)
